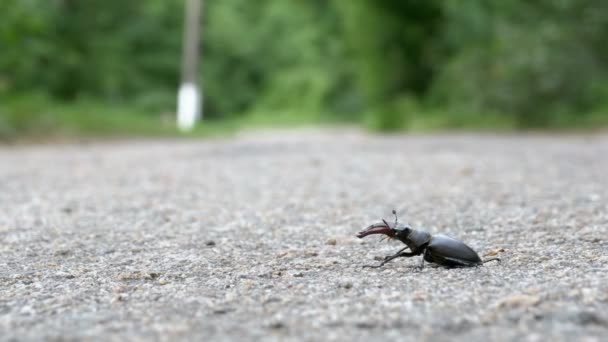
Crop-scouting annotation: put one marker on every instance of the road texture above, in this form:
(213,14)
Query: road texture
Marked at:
(253,238)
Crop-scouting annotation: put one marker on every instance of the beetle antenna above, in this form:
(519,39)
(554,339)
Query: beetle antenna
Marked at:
(396,219)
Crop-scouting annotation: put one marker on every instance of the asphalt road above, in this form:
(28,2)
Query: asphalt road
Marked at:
(253,238)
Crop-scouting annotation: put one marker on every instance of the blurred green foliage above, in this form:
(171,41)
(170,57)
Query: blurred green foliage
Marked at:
(392,64)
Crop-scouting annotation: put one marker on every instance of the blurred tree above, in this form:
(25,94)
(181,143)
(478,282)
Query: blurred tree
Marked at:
(533,61)
(274,55)
(100,48)
(394,44)
(396,50)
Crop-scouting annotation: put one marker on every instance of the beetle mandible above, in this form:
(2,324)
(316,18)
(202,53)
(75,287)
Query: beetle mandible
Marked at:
(439,249)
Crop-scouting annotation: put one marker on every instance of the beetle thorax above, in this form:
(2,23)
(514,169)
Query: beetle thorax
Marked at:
(416,240)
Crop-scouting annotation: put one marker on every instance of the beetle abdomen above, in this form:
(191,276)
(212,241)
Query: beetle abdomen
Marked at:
(450,252)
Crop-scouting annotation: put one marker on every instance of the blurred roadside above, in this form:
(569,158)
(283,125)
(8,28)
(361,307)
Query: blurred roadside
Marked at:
(110,67)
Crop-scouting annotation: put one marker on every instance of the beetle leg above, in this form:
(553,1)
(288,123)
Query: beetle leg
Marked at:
(396,255)
(388,258)
(421,266)
(491,259)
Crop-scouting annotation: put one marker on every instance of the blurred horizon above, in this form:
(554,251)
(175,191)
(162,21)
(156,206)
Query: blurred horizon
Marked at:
(113,67)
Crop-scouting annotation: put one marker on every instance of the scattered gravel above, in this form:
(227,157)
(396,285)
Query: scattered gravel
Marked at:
(254,238)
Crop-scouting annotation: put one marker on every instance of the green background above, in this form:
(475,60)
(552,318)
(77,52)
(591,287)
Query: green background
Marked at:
(91,67)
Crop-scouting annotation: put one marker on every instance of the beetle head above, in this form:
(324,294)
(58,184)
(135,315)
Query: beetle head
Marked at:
(402,232)
(392,230)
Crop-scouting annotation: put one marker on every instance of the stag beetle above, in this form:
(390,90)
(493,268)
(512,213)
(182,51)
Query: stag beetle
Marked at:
(439,249)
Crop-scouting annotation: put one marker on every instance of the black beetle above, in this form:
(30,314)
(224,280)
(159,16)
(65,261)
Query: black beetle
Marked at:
(439,249)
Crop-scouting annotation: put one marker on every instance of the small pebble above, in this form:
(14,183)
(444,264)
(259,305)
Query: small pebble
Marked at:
(365,325)
(276,325)
(62,252)
(222,311)
(590,318)
(64,275)
(518,300)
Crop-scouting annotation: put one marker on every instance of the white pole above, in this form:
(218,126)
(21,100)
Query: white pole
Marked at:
(188,106)
(189,97)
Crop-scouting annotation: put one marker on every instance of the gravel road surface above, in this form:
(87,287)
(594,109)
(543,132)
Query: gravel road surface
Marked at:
(253,238)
